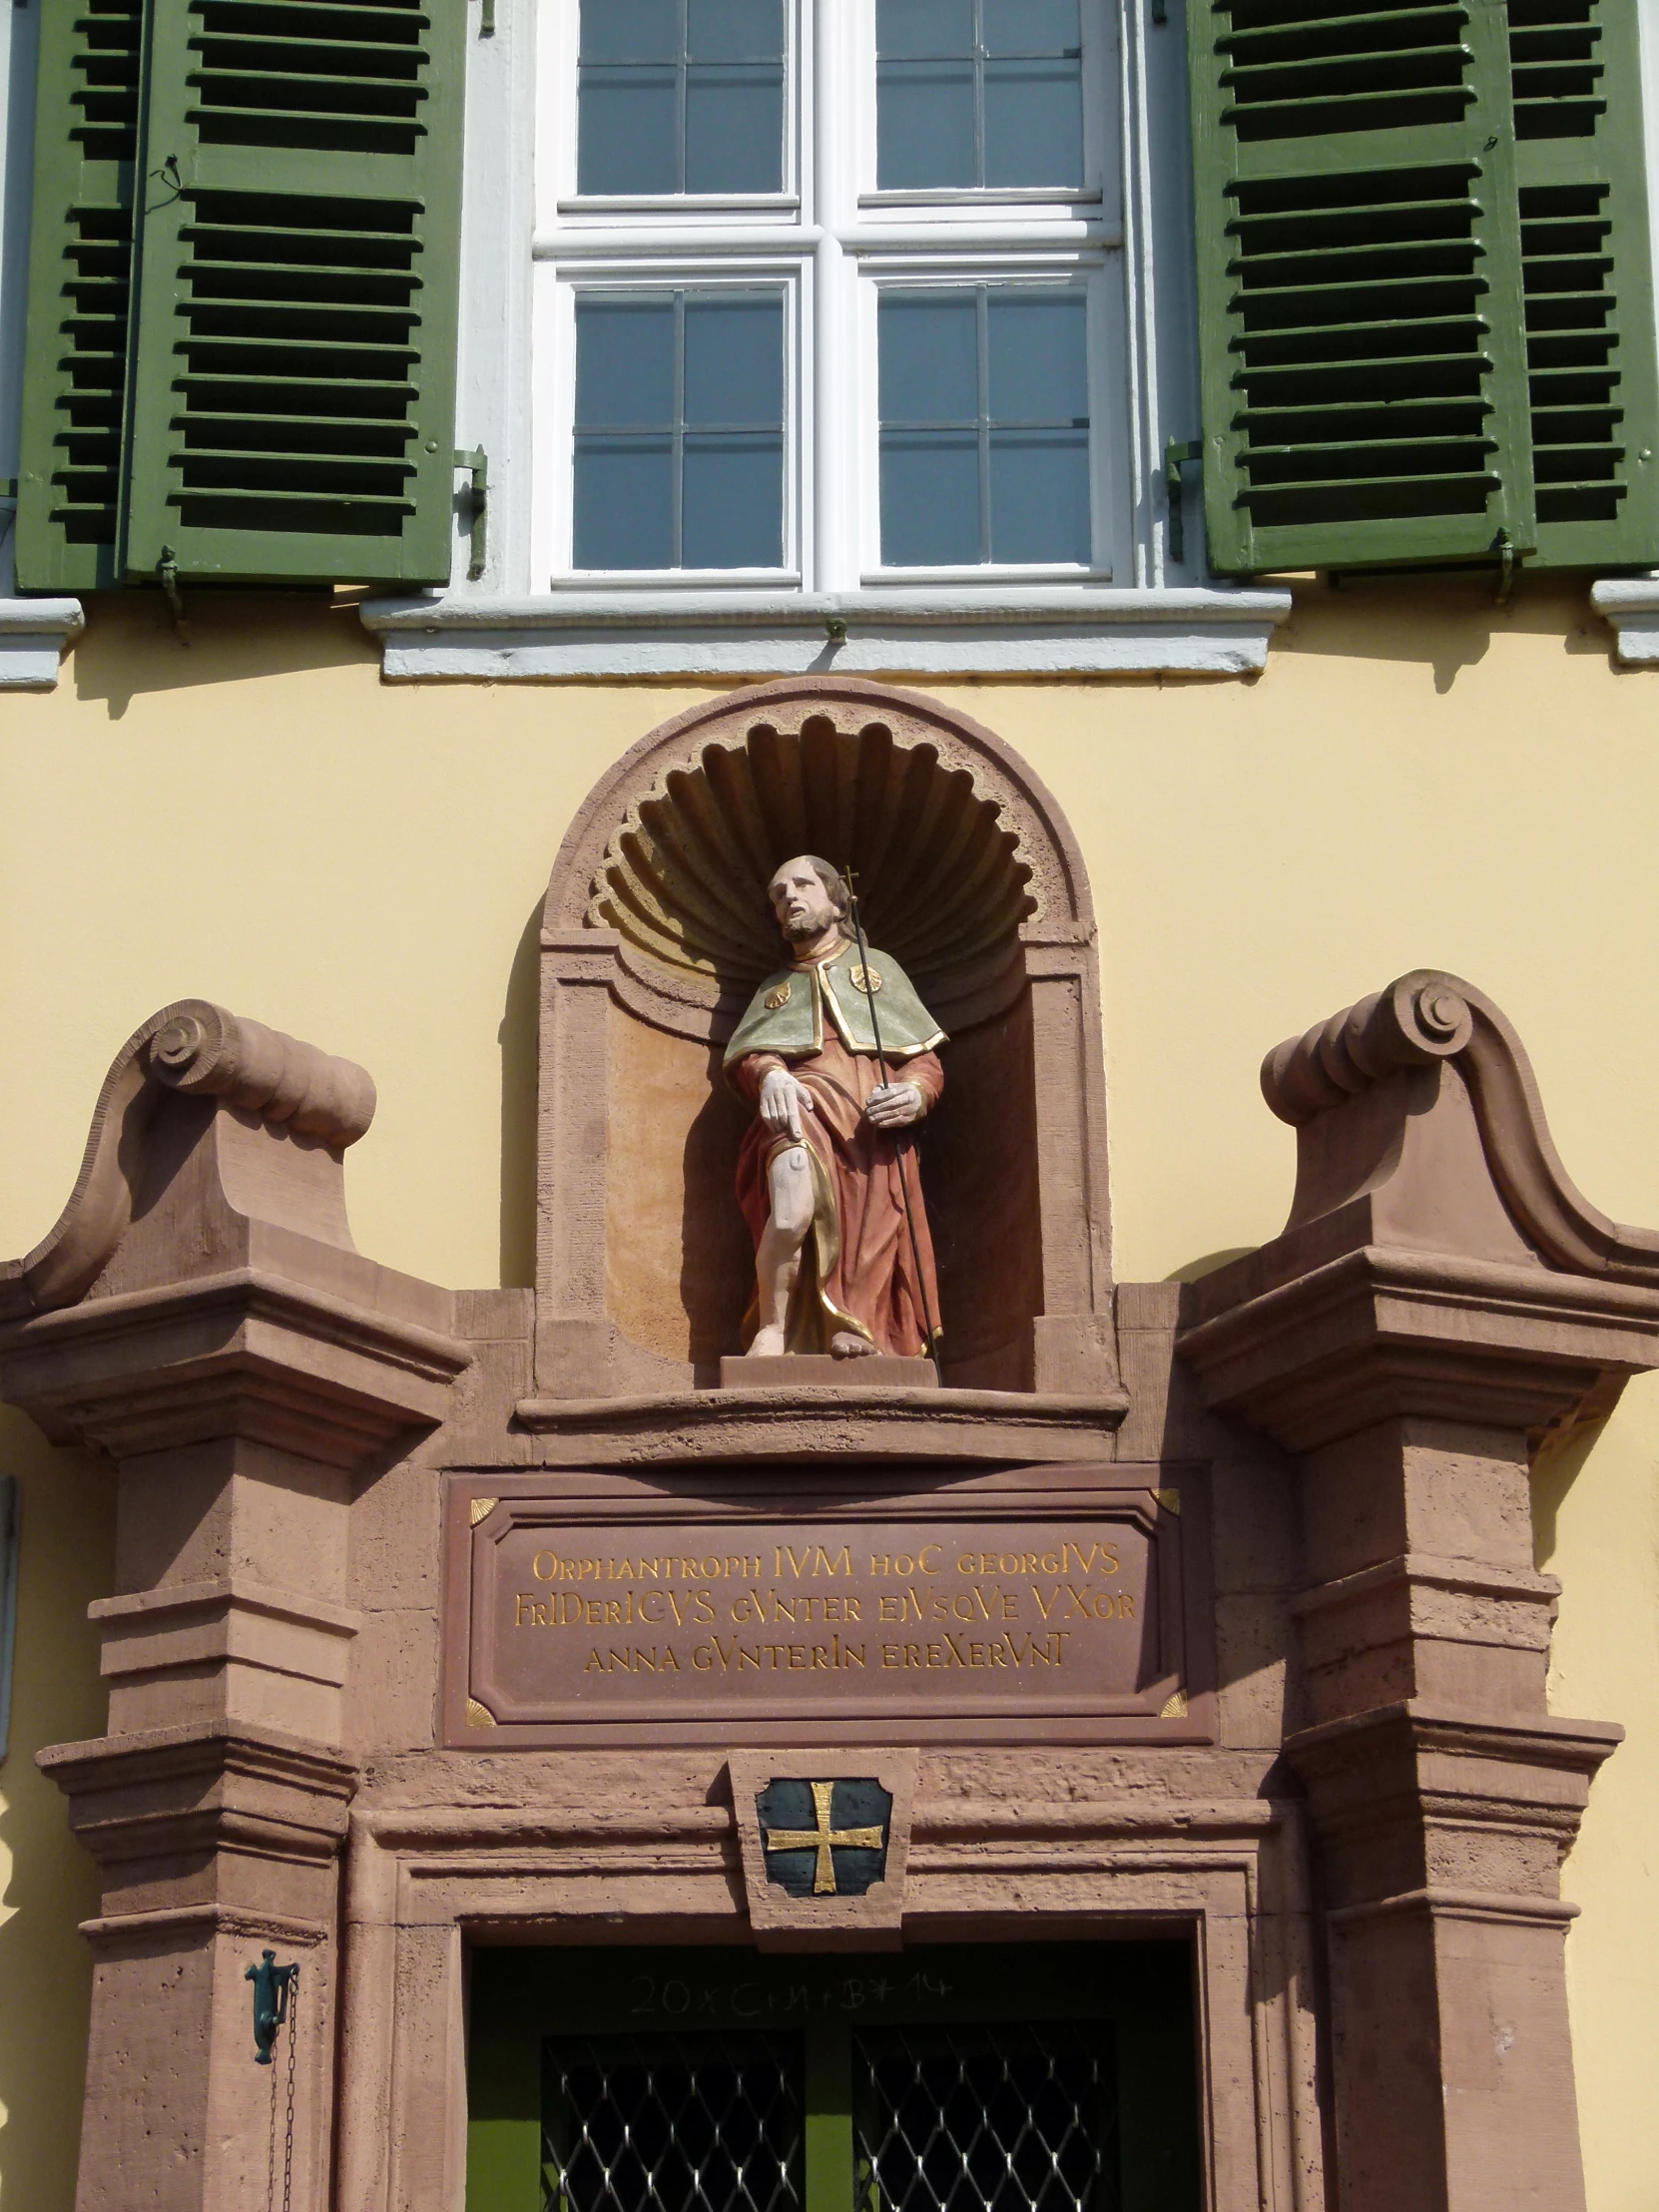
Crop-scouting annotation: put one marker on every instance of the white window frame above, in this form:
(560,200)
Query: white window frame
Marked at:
(833,238)
(911,274)
(556,503)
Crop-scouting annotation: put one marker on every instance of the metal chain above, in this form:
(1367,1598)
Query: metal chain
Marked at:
(288,2139)
(287,2146)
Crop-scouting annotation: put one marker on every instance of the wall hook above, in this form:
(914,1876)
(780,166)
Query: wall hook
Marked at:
(271,1987)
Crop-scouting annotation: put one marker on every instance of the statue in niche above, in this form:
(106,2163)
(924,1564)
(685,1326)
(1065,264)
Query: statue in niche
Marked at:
(826,1180)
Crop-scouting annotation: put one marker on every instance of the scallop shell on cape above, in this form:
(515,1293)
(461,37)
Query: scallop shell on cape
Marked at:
(941,883)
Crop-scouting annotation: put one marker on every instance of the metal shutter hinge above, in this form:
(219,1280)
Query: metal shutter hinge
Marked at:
(1175,454)
(167,575)
(477,461)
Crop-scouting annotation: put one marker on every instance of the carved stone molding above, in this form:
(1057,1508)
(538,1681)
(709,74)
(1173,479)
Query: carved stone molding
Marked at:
(197,1049)
(1427,1018)
(803,1425)
(245,1819)
(1438,1259)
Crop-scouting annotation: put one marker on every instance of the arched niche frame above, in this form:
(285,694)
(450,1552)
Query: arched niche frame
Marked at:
(657,930)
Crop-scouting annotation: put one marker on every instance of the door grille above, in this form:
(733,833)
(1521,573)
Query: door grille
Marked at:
(1362,346)
(1008,2118)
(698,2123)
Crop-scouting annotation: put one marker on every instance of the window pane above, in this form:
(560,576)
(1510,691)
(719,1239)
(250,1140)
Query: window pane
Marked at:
(624,502)
(924,27)
(1030,26)
(924,124)
(734,129)
(733,502)
(1033,123)
(930,357)
(1041,495)
(1038,357)
(630,31)
(734,361)
(734,30)
(626,130)
(930,498)
(625,363)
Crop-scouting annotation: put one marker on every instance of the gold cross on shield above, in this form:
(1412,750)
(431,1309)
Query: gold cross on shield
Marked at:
(822,1838)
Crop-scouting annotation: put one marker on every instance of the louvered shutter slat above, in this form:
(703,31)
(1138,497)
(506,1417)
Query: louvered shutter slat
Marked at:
(70,468)
(1359,290)
(1588,274)
(294,385)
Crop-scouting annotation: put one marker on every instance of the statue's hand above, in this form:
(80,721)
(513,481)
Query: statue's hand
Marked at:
(896,1105)
(782,1102)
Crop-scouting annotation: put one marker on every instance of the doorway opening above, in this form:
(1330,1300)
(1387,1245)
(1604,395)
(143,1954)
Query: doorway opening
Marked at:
(1041,2077)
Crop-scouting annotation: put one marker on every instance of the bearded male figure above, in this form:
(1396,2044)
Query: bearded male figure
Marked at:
(823,1176)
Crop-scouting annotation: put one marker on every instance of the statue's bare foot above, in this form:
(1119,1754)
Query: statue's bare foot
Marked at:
(845,1345)
(767,1345)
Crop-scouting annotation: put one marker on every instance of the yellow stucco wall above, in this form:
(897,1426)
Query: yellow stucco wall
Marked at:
(1421,776)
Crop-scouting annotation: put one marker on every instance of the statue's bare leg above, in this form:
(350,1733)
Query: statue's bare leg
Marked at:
(777,1261)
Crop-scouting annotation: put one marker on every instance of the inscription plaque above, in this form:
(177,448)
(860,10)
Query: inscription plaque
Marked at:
(1061,1596)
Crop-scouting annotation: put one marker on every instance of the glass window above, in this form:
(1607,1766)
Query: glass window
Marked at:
(680,96)
(680,430)
(984,427)
(984,93)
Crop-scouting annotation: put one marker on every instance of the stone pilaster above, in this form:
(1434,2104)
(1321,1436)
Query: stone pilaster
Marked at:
(200,1317)
(1440,1297)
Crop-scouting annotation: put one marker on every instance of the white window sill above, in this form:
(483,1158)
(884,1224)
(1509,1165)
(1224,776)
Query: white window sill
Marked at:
(1632,605)
(1085,631)
(33,634)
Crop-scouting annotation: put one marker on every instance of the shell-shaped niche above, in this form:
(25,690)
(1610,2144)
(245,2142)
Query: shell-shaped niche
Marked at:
(941,882)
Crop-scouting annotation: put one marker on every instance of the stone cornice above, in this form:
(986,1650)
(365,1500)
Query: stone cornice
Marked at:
(197,1787)
(244,1354)
(1380,1333)
(804,1424)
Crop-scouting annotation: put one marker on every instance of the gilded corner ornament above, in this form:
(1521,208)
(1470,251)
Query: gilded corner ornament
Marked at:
(1174,1707)
(480,1511)
(478,1716)
(1170,1500)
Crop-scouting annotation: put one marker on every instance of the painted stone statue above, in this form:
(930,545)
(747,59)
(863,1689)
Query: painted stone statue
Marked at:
(841,1265)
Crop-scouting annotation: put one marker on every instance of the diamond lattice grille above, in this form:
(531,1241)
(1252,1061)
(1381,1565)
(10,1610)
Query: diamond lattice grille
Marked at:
(981,2119)
(705,2123)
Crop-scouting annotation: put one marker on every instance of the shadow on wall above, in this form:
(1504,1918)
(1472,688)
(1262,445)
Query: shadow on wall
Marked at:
(1447,620)
(1554,1471)
(130,645)
(66,1559)
(518,1035)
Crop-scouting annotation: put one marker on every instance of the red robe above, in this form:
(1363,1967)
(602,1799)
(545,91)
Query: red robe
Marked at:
(859,1267)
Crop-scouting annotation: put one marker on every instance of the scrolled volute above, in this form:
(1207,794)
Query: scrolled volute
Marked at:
(193,1047)
(1420,1017)
(202,1048)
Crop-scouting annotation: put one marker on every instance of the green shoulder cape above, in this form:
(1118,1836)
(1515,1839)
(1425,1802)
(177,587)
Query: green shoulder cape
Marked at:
(788,1013)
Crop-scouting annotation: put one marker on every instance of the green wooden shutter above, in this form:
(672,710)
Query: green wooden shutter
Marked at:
(75,348)
(294,389)
(1589,281)
(271,396)
(1359,282)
